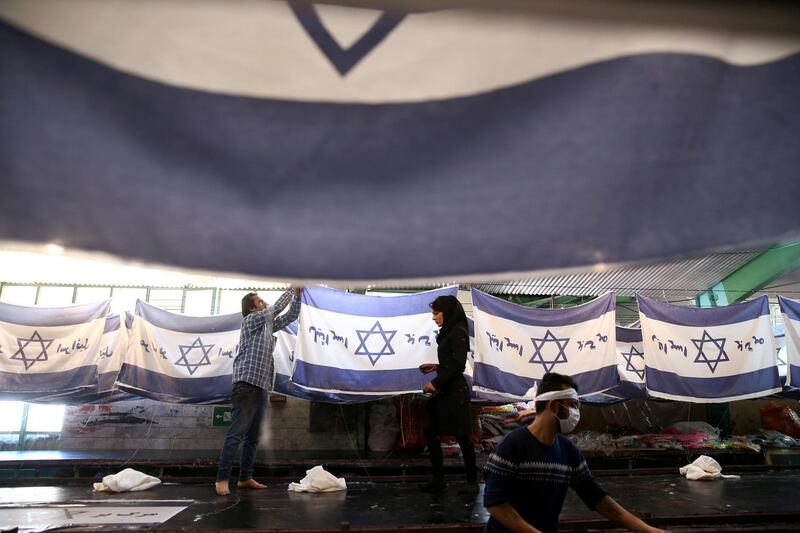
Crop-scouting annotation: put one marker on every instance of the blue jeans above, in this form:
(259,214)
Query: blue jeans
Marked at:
(249,403)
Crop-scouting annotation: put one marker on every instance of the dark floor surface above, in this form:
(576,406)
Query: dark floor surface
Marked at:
(765,501)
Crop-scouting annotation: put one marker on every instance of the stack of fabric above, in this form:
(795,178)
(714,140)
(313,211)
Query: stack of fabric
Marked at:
(497,421)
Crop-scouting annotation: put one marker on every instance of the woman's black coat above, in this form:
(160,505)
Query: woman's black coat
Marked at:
(449,408)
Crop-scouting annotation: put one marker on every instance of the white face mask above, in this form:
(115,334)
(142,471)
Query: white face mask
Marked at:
(568,424)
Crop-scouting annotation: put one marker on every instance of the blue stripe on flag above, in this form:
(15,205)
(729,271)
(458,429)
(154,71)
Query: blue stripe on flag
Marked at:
(106,392)
(491,377)
(629,334)
(157,386)
(628,390)
(284,385)
(794,373)
(188,324)
(53,316)
(703,317)
(326,377)
(48,382)
(112,323)
(543,317)
(790,308)
(106,381)
(372,306)
(718,387)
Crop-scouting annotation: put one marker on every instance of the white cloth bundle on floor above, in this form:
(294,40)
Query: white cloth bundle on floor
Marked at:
(318,480)
(128,480)
(704,468)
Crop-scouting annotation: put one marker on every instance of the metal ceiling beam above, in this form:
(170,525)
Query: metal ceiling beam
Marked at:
(752,276)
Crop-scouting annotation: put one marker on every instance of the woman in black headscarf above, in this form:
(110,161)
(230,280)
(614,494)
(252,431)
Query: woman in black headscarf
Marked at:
(449,406)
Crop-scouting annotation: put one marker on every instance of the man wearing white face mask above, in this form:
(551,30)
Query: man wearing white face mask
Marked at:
(529,472)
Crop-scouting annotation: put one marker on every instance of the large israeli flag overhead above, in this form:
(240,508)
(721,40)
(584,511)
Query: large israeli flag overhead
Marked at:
(515,345)
(790,310)
(369,345)
(355,133)
(709,355)
(50,353)
(180,359)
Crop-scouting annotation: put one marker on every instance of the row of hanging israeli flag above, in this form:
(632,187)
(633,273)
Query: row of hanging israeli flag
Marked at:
(51,354)
(182,359)
(515,345)
(349,348)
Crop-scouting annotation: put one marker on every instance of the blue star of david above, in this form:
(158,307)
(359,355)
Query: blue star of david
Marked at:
(20,354)
(629,366)
(376,329)
(538,344)
(701,355)
(183,360)
(343,60)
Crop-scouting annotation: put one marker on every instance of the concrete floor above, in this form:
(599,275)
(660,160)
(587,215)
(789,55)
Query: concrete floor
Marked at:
(764,501)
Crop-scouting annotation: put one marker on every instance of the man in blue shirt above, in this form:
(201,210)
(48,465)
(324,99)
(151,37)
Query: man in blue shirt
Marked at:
(528,474)
(252,380)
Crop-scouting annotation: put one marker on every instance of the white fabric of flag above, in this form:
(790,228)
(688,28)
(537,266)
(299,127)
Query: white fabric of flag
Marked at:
(630,364)
(50,353)
(113,349)
(709,355)
(790,310)
(515,345)
(180,359)
(368,345)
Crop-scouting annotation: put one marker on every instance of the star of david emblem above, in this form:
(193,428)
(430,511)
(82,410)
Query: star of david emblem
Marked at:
(183,360)
(343,59)
(384,338)
(29,360)
(629,366)
(539,344)
(702,357)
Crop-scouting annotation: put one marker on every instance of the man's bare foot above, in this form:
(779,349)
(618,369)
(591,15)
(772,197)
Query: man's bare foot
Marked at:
(222,488)
(250,484)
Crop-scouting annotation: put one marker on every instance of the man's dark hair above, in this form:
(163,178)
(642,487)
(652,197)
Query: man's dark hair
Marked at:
(553,382)
(247,303)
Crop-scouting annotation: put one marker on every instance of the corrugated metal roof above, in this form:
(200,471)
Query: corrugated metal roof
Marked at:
(679,279)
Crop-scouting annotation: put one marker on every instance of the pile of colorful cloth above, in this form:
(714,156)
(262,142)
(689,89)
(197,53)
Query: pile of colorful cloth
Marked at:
(497,421)
(680,436)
